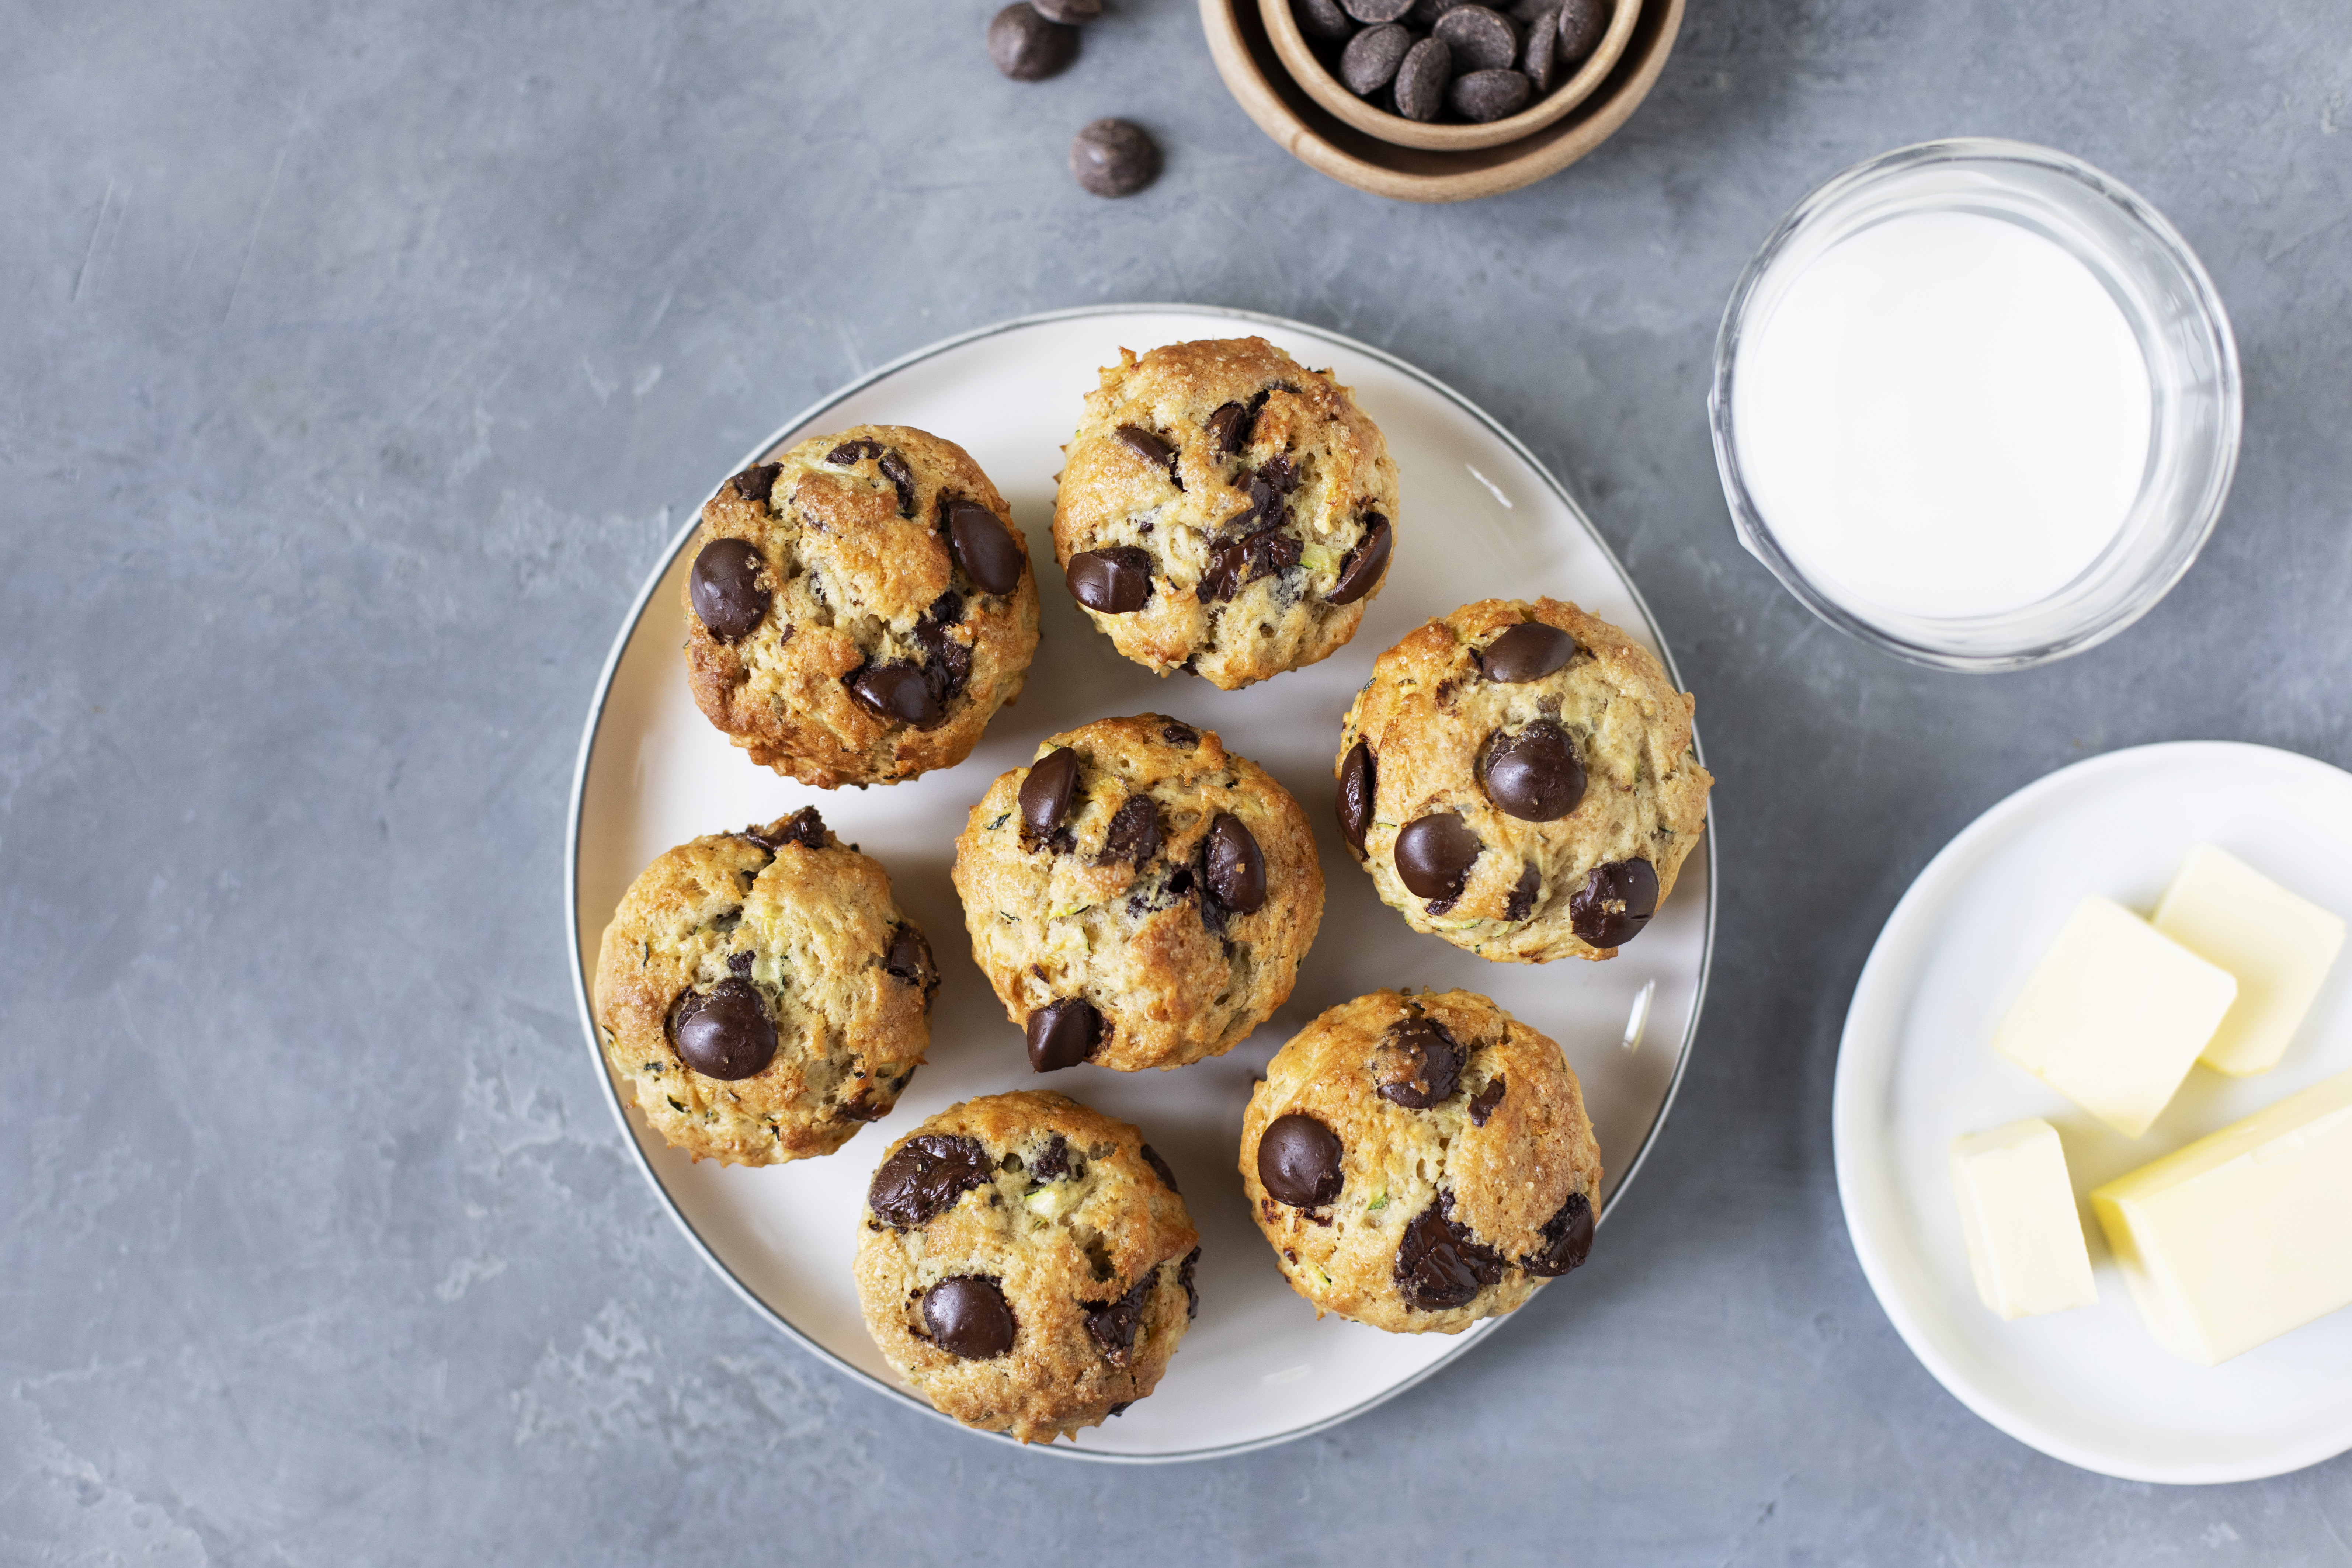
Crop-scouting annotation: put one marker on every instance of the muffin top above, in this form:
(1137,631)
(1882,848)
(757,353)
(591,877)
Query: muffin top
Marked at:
(1521,780)
(763,995)
(1138,895)
(1419,1163)
(1224,509)
(859,608)
(1027,1264)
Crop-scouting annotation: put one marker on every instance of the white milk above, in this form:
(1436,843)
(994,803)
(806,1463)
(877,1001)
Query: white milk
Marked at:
(1945,416)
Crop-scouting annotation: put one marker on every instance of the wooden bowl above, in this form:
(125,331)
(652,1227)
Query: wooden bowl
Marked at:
(1282,27)
(1253,73)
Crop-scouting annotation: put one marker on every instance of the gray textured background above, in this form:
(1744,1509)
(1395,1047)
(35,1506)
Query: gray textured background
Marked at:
(354,363)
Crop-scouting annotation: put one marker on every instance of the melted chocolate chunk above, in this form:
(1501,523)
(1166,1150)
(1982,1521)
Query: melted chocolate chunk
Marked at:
(1184,1277)
(850,452)
(1229,428)
(1420,1064)
(1366,565)
(1528,651)
(1433,856)
(1111,1324)
(1063,1033)
(738,964)
(1299,1162)
(1115,580)
(1046,794)
(803,827)
(757,482)
(1438,1265)
(1167,1177)
(1523,893)
(1134,833)
(946,610)
(1241,561)
(896,692)
(1483,1103)
(1536,774)
(865,1106)
(947,663)
(911,959)
(1354,803)
(1615,902)
(902,480)
(724,587)
(984,548)
(1233,865)
(724,1032)
(1052,1162)
(968,1316)
(925,1177)
(1177,734)
(1568,1239)
(1154,451)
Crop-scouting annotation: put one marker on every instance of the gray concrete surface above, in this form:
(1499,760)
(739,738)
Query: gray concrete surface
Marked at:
(353,362)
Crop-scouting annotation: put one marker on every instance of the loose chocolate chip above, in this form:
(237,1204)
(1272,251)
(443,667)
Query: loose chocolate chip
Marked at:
(1177,734)
(902,480)
(1298,1162)
(1069,12)
(757,482)
(724,1032)
(1355,798)
(1111,1324)
(1234,867)
(1528,651)
(1423,79)
(968,1317)
(1366,565)
(1438,1265)
(1134,833)
(1323,19)
(897,692)
(1371,58)
(1615,902)
(1063,1033)
(1582,23)
(1052,1162)
(911,959)
(1434,854)
(1155,452)
(1568,1239)
(1376,11)
(1026,46)
(1114,580)
(1485,96)
(1113,158)
(1184,1277)
(739,965)
(1167,1177)
(1045,793)
(925,1178)
(1420,1064)
(1229,429)
(1482,39)
(725,588)
(850,452)
(1539,53)
(984,548)
(1426,13)
(1523,893)
(1536,774)
(1483,1103)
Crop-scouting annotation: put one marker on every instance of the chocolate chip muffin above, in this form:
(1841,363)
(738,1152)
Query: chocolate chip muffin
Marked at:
(1419,1163)
(1027,1264)
(859,608)
(1521,780)
(763,995)
(1138,896)
(1224,510)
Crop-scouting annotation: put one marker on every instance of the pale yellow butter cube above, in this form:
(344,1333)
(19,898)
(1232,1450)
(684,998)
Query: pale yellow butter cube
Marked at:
(2017,1207)
(2280,947)
(2115,1015)
(2244,1234)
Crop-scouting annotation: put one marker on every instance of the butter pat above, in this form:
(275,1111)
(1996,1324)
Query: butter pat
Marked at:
(2025,1241)
(2244,1234)
(2278,947)
(2114,1015)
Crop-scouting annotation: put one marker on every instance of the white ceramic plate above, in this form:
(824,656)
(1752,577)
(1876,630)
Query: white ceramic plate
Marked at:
(1479,518)
(1916,1068)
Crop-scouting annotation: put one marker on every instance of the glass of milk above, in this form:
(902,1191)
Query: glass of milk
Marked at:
(1976,403)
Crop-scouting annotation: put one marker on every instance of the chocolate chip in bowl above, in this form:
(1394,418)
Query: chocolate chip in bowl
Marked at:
(1504,72)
